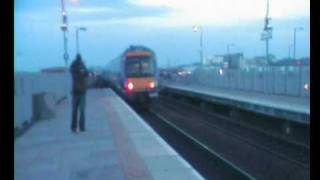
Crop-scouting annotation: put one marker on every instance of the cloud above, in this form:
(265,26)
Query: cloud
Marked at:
(221,12)
(91,10)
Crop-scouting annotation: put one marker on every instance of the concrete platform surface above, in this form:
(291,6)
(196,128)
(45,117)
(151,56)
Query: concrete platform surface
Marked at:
(118,144)
(297,104)
(293,108)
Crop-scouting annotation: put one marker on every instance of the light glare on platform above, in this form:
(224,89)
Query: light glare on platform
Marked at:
(306,86)
(288,130)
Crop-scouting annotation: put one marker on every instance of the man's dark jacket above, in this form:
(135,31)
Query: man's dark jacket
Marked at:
(79,76)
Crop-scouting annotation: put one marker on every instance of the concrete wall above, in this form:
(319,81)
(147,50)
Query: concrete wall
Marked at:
(28,84)
(286,81)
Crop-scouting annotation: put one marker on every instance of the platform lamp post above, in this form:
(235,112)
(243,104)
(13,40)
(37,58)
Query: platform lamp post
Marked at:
(196,29)
(294,40)
(289,51)
(286,68)
(77,36)
(229,61)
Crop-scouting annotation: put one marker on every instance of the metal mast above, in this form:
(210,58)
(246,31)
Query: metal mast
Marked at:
(64,28)
(266,34)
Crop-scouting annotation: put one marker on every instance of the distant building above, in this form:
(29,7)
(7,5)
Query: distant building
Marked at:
(255,62)
(291,62)
(189,68)
(216,60)
(258,61)
(262,60)
(234,61)
(54,70)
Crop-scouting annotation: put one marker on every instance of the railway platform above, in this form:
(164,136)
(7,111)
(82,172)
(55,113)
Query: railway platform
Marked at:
(118,144)
(292,108)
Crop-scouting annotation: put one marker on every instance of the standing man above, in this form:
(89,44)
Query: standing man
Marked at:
(79,88)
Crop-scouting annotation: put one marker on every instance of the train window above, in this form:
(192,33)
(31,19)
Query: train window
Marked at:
(147,67)
(132,68)
(139,67)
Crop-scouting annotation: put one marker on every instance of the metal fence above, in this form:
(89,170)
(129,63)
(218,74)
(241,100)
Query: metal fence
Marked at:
(284,80)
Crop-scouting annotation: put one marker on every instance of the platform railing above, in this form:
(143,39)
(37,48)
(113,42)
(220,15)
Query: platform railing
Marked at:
(293,81)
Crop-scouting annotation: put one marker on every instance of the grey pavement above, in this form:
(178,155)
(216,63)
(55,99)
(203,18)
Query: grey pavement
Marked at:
(118,144)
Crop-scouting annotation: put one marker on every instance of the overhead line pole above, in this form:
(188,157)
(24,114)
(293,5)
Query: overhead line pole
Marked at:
(64,28)
(267,33)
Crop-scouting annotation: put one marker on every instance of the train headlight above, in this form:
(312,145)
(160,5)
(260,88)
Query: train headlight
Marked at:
(152,85)
(130,86)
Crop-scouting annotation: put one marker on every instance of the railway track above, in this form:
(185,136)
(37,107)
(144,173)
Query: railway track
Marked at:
(256,153)
(285,129)
(294,152)
(209,163)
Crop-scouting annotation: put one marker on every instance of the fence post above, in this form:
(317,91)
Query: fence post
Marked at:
(229,79)
(300,81)
(285,79)
(273,81)
(22,86)
(252,79)
(237,79)
(264,72)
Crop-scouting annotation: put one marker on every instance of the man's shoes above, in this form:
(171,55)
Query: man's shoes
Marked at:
(82,130)
(74,131)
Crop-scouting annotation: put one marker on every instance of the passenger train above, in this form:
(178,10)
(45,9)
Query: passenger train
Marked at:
(134,74)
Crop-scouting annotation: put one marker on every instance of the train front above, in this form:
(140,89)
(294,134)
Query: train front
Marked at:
(140,69)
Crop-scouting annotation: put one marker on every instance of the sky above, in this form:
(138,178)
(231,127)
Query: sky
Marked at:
(163,25)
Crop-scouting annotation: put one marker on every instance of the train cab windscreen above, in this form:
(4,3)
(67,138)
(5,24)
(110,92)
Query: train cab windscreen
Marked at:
(139,67)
